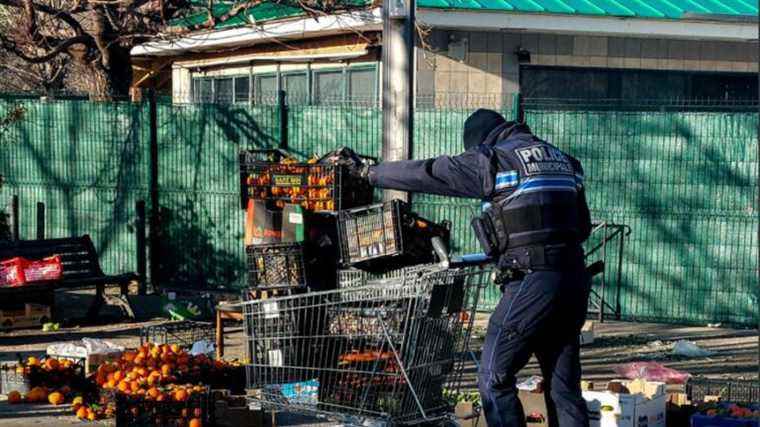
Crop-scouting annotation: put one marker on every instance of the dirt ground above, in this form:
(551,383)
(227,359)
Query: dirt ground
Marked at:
(735,355)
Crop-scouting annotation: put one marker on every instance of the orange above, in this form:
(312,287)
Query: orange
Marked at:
(142,372)
(32,361)
(51,364)
(134,386)
(15,397)
(195,422)
(139,360)
(166,369)
(153,392)
(66,364)
(180,395)
(129,356)
(111,383)
(174,348)
(91,415)
(56,398)
(118,375)
(123,386)
(82,413)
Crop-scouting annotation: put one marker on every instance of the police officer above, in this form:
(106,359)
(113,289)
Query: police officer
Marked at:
(534,221)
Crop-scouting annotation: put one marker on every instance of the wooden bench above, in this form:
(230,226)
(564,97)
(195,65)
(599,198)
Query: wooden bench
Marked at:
(81,269)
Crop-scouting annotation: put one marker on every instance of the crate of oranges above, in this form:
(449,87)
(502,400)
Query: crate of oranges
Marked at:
(34,372)
(172,405)
(316,185)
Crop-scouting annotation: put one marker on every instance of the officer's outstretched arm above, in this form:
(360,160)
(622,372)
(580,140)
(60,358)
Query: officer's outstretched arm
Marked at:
(465,175)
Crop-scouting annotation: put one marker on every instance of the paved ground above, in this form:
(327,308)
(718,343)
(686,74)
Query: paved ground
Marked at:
(735,356)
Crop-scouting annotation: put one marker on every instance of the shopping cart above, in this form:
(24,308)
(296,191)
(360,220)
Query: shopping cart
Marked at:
(381,350)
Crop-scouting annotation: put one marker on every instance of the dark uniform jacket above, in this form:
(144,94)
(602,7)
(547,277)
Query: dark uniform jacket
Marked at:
(539,188)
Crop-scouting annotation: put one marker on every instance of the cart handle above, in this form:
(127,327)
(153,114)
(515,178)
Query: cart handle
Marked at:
(468,260)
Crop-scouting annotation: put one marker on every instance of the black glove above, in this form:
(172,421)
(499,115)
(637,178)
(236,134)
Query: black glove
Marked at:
(345,156)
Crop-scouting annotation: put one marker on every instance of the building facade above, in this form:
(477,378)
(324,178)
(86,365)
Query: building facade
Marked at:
(470,54)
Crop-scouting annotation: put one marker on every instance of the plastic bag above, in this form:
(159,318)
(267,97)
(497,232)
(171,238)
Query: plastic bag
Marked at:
(12,272)
(49,268)
(533,383)
(651,371)
(690,349)
(202,347)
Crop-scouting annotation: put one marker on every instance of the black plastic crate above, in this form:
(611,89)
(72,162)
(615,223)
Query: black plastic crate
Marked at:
(738,391)
(34,376)
(250,161)
(183,333)
(386,236)
(276,265)
(314,186)
(137,411)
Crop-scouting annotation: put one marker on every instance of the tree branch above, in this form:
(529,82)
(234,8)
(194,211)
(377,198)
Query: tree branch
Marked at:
(11,47)
(57,13)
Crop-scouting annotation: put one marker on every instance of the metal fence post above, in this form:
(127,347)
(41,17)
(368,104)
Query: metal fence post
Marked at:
(282,113)
(40,221)
(518,113)
(154,205)
(14,218)
(142,268)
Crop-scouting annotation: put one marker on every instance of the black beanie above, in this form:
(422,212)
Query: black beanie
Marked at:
(479,125)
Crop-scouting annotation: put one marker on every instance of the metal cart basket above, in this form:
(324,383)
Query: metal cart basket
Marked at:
(383,352)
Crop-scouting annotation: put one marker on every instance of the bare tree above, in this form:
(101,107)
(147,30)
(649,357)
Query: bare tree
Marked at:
(46,38)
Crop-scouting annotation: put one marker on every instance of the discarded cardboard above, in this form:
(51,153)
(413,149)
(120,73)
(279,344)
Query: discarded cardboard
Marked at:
(643,406)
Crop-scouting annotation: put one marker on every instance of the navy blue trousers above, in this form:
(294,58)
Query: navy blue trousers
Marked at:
(542,315)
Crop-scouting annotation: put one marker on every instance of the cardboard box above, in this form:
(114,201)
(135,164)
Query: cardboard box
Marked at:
(645,406)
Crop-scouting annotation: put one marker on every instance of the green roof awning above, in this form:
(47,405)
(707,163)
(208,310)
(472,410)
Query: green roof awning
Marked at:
(260,13)
(668,9)
(649,9)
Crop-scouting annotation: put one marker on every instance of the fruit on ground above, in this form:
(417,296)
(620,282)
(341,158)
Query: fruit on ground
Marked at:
(82,413)
(15,397)
(56,398)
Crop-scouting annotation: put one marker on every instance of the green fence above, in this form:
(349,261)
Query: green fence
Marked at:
(683,180)
(686,183)
(88,162)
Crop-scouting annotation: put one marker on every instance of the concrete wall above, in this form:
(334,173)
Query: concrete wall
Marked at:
(489,72)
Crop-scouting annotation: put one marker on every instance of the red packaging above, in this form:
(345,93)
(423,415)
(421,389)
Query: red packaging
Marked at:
(12,272)
(49,268)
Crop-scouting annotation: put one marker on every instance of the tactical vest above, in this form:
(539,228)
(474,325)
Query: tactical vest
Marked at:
(535,199)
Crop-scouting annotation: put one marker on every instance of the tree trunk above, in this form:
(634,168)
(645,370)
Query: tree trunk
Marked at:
(111,82)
